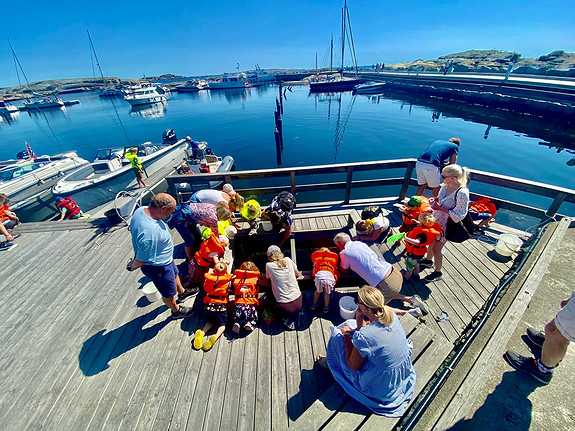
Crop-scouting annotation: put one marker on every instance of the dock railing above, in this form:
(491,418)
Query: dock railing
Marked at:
(259,183)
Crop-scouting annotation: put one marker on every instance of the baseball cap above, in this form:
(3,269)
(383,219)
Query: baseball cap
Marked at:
(273,249)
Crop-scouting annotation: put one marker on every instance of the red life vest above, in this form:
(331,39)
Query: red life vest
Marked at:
(430,233)
(72,207)
(246,287)
(205,255)
(410,214)
(324,261)
(484,205)
(216,287)
(3,215)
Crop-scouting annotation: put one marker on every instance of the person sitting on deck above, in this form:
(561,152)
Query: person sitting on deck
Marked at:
(283,274)
(417,241)
(325,276)
(279,213)
(154,249)
(409,213)
(373,226)
(370,357)
(69,209)
(250,213)
(8,219)
(137,167)
(246,291)
(484,210)
(377,272)
(217,287)
(204,167)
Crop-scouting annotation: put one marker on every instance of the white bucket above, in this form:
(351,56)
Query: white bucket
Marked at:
(508,244)
(151,292)
(347,307)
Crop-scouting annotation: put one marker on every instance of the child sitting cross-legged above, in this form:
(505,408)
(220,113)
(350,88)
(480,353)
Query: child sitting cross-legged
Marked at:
(325,275)
(246,291)
(217,287)
(417,241)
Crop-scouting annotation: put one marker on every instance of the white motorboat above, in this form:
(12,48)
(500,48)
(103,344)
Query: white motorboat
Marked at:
(100,181)
(191,86)
(230,80)
(369,88)
(43,102)
(30,176)
(260,76)
(7,108)
(145,94)
(110,92)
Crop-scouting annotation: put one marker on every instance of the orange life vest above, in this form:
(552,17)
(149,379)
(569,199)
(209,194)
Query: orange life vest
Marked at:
(3,215)
(484,205)
(324,261)
(246,287)
(410,214)
(70,205)
(430,233)
(205,255)
(216,287)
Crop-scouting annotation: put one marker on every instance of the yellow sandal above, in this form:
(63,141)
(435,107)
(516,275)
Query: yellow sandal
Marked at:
(209,343)
(198,339)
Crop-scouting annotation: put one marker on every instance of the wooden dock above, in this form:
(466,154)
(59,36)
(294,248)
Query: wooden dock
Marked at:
(83,349)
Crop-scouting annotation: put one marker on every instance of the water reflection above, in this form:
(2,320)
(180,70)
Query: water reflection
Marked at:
(153,110)
(231,94)
(49,113)
(9,117)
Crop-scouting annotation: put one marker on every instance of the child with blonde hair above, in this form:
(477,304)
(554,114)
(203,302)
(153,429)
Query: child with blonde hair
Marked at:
(417,242)
(246,291)
(217,287)
(325,275)
(251,212)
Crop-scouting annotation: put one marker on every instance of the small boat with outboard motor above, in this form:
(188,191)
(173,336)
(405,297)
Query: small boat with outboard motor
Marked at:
(110,172)
(192,86)
(371,87)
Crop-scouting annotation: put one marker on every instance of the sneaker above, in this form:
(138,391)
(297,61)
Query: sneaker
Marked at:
(415,276)
(416,301)
(252,231)
(186,294)
(236,328)
(249,327)
(415,312)
(312,307)
(536,337)
(288,324)
(425,263)
(434,276)
(182,312)
(325,310)
(527,365)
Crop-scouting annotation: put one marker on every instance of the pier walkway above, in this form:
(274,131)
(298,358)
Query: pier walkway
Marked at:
(83,349)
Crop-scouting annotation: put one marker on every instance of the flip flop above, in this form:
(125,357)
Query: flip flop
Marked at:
(322,362)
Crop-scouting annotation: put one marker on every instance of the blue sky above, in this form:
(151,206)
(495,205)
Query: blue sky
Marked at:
(195,38)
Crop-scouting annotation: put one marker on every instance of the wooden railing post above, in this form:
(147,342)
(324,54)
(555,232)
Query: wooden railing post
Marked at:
(406,180)
(292,175)
(348,184)
(554,207)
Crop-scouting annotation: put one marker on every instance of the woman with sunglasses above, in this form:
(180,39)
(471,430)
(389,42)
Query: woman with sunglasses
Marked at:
(370,357)
(452,202)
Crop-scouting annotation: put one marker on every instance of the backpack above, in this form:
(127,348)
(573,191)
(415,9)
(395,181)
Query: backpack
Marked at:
(371,212)
(180,215)
(286,201)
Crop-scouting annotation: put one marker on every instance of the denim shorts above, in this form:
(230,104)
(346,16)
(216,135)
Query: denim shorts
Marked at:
(163,277)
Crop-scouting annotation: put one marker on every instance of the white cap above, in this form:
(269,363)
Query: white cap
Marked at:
(273,249)
(228,188)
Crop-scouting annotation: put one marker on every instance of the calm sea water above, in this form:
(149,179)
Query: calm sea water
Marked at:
(318,129)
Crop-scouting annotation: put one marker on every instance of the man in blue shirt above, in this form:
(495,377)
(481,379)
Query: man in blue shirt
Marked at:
(154,248)
(432,161)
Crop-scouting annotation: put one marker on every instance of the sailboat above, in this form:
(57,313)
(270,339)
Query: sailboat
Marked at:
(339,83)
(107,91)
(37,101)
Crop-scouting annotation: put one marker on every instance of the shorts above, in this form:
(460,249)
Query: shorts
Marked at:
(324,282)
(197,272)
(565,319)
(428,173)
(411,261)
(163,277)
(137,173)
(246,313)
(216,318)
(391,285)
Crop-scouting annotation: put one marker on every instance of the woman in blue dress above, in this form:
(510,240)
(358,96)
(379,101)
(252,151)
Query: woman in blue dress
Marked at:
(370,357)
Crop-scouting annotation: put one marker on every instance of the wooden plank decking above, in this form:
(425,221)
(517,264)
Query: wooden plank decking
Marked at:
(82,349)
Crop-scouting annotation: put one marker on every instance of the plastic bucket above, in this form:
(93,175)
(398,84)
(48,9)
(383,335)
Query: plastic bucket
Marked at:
(113,217)
(508,244)
(347,307)
(151,292)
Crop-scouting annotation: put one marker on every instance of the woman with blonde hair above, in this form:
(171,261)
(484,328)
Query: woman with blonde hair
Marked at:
(283,274)
(370,357)
(452,201)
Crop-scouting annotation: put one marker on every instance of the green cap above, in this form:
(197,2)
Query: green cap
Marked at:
(206,233)
(415,201)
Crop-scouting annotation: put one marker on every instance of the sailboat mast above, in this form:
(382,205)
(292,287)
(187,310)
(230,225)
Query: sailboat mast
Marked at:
(331,55)
(19,65)
(343,34)
(316,63)
(96,57)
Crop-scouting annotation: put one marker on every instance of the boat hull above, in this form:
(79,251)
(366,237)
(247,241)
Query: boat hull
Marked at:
(146,100)
(369,88)
(43,105)
(337,85)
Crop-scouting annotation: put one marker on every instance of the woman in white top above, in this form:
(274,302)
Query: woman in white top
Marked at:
(214,197)
(451,202)
(283,274)
(372,230)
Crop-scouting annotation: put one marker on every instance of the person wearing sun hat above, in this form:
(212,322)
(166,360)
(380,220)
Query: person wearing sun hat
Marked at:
(283,273)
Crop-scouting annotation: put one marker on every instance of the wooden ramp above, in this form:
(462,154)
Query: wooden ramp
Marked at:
(82,348)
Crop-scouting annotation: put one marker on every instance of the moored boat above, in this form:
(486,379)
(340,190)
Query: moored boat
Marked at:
(191,86)
(98,182)
(369,88)
(230,80)
(146,94)
(43,102)
(7,108)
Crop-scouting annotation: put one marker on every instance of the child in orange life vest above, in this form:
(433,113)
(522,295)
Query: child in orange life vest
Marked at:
(8,219)
(483,210)
(324,269)
(69,209)
(246,290)
(211,251)
(217,287)
(417,205)
(416,242)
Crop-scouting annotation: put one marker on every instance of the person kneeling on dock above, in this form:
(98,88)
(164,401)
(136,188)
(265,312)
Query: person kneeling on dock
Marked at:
(246,291)
(279,213)
(69,209)
(8,219)
(154,249)
(325,276)
(217,287)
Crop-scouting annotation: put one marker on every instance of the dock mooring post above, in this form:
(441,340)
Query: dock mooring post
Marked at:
(281,108)
(278,147)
